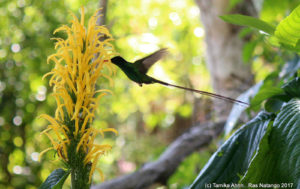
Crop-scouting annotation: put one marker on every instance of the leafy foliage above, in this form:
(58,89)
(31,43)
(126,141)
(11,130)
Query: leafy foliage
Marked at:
(265,93)
(249,21)
(286,32)
(55,180)
(186,171)
(288,29)
(260,152)
(277,159)
(292,88)
(232,159)
(274,158)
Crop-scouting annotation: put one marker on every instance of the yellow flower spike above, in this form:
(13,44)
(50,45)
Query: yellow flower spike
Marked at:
(79,61)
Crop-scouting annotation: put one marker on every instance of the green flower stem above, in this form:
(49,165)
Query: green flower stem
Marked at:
(79,171)
(79,179)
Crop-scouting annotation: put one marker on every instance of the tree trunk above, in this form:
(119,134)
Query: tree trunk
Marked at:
(230,75)
(102,19)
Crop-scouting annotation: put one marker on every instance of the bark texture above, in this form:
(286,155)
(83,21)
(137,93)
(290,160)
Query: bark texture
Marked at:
(230,75)
(103,5)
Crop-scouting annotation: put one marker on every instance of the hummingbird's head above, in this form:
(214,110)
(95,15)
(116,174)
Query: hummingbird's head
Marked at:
(117,60)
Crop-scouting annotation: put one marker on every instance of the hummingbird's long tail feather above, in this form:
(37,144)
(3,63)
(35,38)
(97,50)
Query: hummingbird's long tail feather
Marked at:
(202,92)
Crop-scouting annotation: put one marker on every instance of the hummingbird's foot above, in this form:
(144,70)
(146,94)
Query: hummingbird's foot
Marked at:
(140,84)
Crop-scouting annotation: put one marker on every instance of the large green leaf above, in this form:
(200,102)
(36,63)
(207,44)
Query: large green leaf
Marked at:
(278,158)
(55,180)
(249,21)
(232,159)
(275,103)
(265,93)
(292,88)
(288,29)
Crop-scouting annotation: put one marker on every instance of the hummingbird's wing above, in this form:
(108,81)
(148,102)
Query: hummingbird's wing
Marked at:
(145,63)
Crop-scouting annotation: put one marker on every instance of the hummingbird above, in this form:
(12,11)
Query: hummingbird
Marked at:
(137,72)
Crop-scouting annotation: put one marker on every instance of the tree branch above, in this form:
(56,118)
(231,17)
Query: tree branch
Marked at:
(159,171)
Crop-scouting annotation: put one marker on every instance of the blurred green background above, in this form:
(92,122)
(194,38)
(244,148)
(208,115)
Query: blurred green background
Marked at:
(147,118)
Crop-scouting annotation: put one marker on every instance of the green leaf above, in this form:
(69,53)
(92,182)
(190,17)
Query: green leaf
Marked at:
(288,29)
(290,68)
(292,88)
(265,93)
(248,50)
(275,103)
(55,180)
(249,21)
(289,46)
(232,159)
(277,160)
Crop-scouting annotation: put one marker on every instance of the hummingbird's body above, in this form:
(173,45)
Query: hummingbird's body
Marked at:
(137,72)
(132,71)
